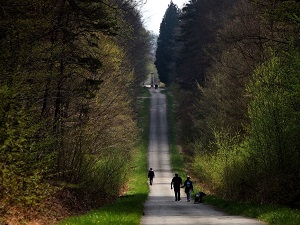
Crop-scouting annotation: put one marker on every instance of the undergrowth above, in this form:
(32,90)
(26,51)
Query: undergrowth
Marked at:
(128,209)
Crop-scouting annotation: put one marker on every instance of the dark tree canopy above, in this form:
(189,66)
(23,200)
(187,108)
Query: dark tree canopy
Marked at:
(165,43)
(199,21)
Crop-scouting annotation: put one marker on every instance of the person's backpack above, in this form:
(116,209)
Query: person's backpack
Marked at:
(188,184)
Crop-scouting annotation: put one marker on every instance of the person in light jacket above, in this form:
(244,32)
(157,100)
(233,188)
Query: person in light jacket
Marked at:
(188,185)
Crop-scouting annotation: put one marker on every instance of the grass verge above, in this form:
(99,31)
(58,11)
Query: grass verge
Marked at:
(177,163)
(128,209)
(272,215)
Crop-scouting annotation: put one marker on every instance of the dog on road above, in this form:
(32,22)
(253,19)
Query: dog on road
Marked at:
(199,197)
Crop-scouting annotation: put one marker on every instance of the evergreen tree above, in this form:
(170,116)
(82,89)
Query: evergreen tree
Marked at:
(165,43)
(195,51)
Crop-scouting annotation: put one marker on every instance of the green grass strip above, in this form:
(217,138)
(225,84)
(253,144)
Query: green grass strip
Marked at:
(272,215)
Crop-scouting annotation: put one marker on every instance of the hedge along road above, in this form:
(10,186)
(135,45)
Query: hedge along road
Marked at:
(161,207)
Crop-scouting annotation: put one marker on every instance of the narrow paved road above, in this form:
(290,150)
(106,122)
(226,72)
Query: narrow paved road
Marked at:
(161,207)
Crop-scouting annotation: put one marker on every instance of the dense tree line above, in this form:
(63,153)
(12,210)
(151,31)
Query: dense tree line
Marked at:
(236,70)
(166,43)
(69,72)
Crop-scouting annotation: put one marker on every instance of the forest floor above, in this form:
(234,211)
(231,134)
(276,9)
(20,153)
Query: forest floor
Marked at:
(51,211)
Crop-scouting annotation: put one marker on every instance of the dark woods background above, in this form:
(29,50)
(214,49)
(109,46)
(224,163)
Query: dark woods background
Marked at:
(234,68)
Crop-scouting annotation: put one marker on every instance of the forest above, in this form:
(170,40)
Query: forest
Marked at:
(233,67)
(70,72)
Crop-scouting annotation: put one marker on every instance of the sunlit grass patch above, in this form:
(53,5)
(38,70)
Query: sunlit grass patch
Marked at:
(272,215)
(281,216)
(127,210)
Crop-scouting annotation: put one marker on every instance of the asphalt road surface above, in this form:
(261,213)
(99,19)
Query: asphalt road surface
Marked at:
(161,207)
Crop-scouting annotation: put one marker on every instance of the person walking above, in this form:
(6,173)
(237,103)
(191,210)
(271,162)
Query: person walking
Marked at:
(188,185)
(151,175)
(176,183)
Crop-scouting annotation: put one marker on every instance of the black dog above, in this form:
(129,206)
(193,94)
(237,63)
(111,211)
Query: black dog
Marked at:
(199,197)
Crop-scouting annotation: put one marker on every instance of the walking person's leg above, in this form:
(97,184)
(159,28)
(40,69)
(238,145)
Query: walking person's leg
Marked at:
(188,195)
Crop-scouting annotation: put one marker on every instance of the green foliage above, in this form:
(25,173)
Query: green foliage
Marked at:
(222,169)
(237,100)
(263,166)
(274,128)
(137,45)
(103,177)
(66,91)
(24,154)
(129,207)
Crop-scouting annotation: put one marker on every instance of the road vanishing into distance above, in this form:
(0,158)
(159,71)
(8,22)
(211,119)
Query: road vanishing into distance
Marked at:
(161,207)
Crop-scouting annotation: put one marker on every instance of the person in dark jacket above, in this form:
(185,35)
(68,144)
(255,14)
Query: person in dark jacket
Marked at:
(151,175)
(176,183)
(188,185)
